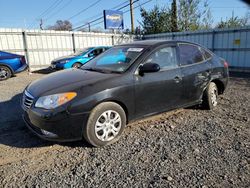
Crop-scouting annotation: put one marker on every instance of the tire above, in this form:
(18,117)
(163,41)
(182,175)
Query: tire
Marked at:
(101,130)
(210,97)
(76,65)
(5,72)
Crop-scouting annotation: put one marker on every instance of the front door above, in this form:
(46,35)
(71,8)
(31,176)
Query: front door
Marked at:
(159,91)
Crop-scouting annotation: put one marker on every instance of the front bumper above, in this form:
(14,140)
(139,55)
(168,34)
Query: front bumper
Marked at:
(57,66)
(59,127)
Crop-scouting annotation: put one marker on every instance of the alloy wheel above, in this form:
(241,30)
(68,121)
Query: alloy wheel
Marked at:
(4,73)
(214,95)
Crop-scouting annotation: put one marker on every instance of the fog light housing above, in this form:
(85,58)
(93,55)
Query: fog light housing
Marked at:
(47,133)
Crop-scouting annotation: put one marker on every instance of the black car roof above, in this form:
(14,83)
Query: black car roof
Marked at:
(147,43)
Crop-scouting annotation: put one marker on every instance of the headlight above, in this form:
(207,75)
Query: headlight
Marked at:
(64,61)
(53,101)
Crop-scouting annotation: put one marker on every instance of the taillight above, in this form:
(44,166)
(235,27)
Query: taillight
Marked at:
(22,59)
(225,64)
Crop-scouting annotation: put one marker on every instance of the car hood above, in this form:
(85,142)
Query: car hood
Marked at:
(65,81)
(64,58)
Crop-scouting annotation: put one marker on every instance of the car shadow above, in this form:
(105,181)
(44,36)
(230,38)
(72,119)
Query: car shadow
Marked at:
(45,71)
(14,133)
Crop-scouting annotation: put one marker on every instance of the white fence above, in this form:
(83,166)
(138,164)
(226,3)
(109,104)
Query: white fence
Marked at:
(40,47)
(231,44)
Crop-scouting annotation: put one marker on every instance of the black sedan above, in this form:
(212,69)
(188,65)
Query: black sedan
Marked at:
(125,83)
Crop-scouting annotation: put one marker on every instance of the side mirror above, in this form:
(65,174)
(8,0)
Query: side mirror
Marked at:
(149,67)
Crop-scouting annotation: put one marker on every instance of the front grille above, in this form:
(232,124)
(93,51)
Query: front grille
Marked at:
(27,100)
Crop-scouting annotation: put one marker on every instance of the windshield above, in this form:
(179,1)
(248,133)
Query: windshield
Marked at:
(81,52)
(116,59)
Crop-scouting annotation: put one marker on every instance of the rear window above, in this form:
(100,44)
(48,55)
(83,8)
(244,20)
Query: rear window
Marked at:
(190,54)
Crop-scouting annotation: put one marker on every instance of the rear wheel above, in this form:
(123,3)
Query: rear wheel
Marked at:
(210,98)
(76,65)
(5,73)
(105,124)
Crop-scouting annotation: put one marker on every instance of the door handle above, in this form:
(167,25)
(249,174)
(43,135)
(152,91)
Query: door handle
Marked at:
(177,79)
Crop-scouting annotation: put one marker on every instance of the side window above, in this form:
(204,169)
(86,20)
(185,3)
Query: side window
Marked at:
(205,53)
(189,54)
(165,57)
(96,52)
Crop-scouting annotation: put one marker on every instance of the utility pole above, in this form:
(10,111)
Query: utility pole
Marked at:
(89,26)
(41,24)
(132,15)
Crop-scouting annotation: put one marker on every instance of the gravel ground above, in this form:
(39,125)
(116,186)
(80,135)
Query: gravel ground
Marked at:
(184,148)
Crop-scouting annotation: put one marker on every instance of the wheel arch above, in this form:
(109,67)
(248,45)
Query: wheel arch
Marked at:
(120,103)
(6,65)
(220,85)
(75,63)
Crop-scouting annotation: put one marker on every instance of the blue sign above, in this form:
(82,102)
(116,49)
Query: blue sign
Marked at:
(113,19)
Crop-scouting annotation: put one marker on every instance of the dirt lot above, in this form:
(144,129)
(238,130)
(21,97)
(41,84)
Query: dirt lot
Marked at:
(184,148)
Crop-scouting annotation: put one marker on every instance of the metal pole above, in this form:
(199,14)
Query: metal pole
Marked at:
(25,46)
(41,24)
(212,47)
(132,16)
(89,26)
(73,42)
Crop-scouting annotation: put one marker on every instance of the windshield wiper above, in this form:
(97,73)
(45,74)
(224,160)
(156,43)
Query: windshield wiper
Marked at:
(100,70)
(91,69)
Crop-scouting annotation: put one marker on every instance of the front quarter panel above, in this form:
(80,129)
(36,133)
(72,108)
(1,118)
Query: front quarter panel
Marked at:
(119,90)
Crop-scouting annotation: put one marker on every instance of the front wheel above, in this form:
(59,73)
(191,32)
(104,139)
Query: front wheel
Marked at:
(105,124)
(5,73)
(76,65)
(210,98)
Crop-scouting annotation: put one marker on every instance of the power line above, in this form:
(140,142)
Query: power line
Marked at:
(138,6)
(102,16)
(59,10)
(53,5)
(124,11)
(98,15)
(80,12)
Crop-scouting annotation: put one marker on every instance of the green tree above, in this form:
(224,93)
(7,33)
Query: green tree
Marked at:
(192,15)
(234,22)
(207,19)
(184,15)
(156,20)
(174,26)
(188,15)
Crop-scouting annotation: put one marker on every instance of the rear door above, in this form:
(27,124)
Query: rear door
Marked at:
(159,91)
(196,71)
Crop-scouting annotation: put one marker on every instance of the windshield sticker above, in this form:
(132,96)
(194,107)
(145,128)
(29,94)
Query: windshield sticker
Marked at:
(135,49)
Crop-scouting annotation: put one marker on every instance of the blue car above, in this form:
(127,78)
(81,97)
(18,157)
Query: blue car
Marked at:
(77,59)
(11,64)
